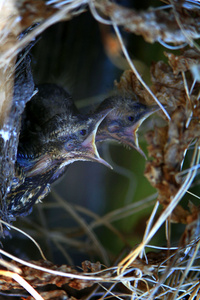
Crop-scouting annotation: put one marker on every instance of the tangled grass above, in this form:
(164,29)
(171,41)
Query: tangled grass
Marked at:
(146,272)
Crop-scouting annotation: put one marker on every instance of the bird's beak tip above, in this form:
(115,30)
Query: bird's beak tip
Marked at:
(137,147)
(142,153)
(105,163)
(89,143)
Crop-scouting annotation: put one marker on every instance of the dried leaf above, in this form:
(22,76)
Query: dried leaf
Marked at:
(38,278)
(155,25)
(33,11)
(130,85)
(94,267)
(52,295)
(183,63)
(167,145)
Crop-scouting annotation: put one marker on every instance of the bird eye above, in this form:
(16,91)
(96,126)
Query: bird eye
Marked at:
(83,132)
(131,118)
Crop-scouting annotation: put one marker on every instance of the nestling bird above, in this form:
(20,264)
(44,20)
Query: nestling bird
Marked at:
(124,119)
(53,136)
(50,100)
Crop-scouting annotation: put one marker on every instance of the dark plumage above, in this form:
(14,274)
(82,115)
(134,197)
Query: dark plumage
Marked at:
(54,135)
(122,122)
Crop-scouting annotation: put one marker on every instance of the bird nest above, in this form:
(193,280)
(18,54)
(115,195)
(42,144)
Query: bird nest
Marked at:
(164,262)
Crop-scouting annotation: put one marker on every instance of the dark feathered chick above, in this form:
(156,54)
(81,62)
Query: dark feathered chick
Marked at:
(54,127)
(122,122)
(54,135)
(50,100)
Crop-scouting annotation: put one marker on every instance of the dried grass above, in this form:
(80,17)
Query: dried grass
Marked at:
(169,272)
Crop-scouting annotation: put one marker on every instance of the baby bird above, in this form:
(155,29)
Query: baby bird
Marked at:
(53,136)
(50,100)
(124,119)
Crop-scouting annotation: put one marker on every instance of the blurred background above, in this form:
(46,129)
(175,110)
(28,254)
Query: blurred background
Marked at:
(92,212)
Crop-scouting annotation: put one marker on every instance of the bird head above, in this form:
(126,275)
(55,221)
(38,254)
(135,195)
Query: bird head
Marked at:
(122,122)
(72,138)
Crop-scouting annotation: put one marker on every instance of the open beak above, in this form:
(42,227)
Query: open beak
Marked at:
(130,137)
(129,134)
(89,143)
